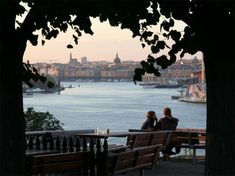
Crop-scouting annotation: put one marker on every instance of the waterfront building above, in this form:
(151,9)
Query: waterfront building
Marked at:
(181,71)
(84,60)
(73,61)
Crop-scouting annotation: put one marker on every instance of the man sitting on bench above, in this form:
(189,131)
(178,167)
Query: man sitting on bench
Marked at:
(168,123)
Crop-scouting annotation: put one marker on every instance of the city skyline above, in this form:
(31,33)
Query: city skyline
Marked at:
(101,46)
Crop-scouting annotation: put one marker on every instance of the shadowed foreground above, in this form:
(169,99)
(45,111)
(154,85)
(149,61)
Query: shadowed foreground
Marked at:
(174,167)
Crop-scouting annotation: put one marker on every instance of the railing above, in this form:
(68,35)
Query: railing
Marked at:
(62,142)
(55,142)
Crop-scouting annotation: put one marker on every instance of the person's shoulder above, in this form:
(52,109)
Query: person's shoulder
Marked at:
(175,119)
(161,119)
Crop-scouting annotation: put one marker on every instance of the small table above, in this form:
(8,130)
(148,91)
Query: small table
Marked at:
(105,136)
(110,134)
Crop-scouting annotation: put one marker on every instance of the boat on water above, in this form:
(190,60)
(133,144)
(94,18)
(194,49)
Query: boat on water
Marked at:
(181,91)
(159,85)
(27,95)
(195,93)
(36,90)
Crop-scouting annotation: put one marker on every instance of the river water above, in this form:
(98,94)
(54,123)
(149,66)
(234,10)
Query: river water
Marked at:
(118,106)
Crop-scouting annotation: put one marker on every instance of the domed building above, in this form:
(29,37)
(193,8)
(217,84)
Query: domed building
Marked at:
(117,60)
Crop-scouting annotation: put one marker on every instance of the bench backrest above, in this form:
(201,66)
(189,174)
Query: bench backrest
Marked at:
(141,140)
(190,138)
(161,137)
(54,163)
(149,138)
(180,138)
(137,158)
(132,138)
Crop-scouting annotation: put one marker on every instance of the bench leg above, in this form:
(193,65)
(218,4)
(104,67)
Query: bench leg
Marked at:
(194,155)
(141,172)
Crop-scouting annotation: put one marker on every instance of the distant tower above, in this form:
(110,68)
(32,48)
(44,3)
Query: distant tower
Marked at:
(84,60)
(72,61)
(70,58)
(117,60)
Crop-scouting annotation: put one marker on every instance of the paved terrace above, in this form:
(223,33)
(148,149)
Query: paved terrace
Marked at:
(173,167)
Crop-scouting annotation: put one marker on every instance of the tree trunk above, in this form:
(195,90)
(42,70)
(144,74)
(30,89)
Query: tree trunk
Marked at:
(12,149)
(220,77)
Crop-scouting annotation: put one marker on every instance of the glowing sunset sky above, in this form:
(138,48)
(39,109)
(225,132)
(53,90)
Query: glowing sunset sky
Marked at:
(103,45)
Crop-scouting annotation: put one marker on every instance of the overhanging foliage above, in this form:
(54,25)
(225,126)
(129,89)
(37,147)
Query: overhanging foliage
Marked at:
(137,16)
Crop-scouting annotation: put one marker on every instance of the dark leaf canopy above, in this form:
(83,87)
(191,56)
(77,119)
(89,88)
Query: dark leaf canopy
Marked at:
(29,72)
(201,16)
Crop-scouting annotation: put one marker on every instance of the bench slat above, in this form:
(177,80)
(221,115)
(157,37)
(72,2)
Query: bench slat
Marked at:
(138,158)
(44,164)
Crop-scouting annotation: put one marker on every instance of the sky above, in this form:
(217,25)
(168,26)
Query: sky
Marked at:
(102,45)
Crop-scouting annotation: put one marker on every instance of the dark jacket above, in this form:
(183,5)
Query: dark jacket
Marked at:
(148,124)
(167,123)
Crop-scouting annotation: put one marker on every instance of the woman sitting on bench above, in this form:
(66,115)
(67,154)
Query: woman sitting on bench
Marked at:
(150,122)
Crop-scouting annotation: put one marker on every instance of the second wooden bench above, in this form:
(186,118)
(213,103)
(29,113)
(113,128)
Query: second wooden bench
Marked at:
(138,158)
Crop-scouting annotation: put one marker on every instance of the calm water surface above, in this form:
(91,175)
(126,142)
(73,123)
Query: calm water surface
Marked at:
(114,105)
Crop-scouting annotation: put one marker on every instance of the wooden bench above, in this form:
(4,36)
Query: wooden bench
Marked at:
(138,158)
(191,140)
(149,138)
(161,137)
(81,163)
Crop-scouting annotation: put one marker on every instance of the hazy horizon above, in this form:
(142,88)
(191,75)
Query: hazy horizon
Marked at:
(101,46)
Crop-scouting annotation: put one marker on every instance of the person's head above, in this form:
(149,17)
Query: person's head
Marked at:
(167,112)
(151,115)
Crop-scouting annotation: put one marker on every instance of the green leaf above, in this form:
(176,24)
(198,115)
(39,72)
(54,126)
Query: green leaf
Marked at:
(160,44)
(165,25)
(138,74)
(43,79)
(33,39)
(171,22)
(43,42)
(163,61)
(139,71)
(165,35)
(50,84)
(34,70)
(157,73)
(146,34)
(20,9)
(151,59)
(182,54)
(35,77)
(144,64)
(154,49)
(78,32)
(69,46)
(29,84)
(172,59)
(175,35)
(156,37)
(150,68)
(75,39)
(137,77)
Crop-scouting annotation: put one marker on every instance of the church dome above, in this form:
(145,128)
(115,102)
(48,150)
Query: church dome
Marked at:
(117,60)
